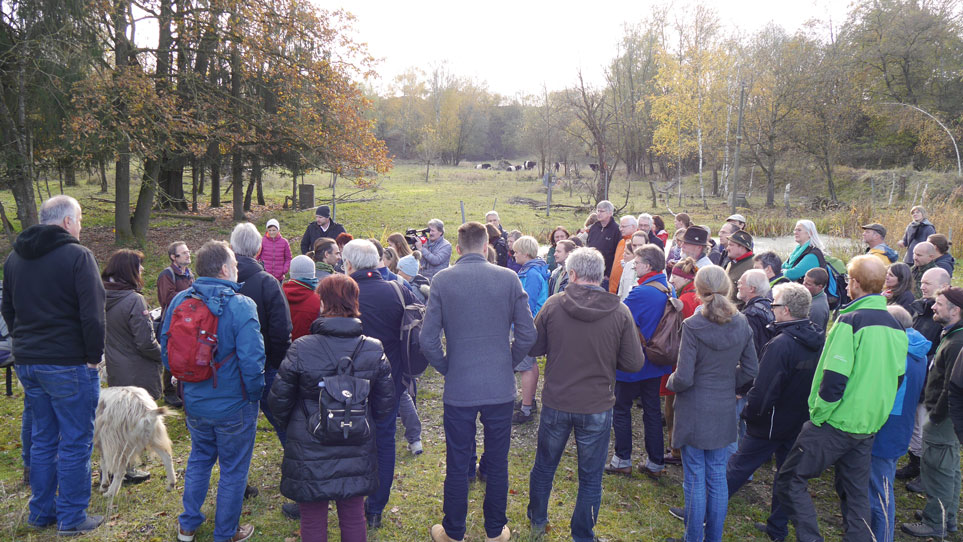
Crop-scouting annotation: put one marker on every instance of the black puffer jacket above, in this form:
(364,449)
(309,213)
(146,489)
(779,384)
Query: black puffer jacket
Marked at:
(778,403)
(923,322)
(758,311)
(311,471)
(272,308)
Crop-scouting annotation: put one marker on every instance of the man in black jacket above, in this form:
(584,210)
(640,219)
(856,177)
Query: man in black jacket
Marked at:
(777,405)
(753,290)
(53,303)
(322,226)
(604,236)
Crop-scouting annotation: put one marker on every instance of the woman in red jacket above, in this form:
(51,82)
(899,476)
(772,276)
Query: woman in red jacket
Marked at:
(682,276)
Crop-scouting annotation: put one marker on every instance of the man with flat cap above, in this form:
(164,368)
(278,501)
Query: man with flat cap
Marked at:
(322,226)
(695,244)
(874,236)
(740,261)
(737,220)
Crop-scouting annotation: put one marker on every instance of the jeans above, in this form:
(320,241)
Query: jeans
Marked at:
(385,445)
(752,453)
(815,450)
(940,473)
(882,501)
(625,393)
(409,418)
(228,441)
(269,374)
(314,520)
(63,402)
(740,427)
(706,493)
(460,446)
(592,443)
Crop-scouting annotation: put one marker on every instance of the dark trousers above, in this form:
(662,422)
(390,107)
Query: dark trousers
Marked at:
(753,453)
(625,394)
(385,430)
(314,520)
(815,449)
(460,449)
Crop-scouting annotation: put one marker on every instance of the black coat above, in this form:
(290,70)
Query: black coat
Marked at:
(381,316)
(758,311)
(904,300)
(53,299)
(778,403)
(501,251)
(923,322)
(272,308)
(313,232)
(605,240)
(916,233)
(310,471)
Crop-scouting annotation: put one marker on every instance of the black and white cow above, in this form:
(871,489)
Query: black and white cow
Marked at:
(483,166)
(594,167)
(530,164)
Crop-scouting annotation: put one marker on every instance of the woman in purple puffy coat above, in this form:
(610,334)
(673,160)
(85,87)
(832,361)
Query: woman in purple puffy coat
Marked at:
(275,251)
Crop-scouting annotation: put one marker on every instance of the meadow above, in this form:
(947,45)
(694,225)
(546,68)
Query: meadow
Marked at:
(633,509)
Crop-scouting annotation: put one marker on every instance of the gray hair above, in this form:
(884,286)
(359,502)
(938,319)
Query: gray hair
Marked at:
(645,216)
(901,315)
(587,263)
(57,208)
(211,258)
(795,297)
(769,259)
(437,224)
(653,256)
(361,254)
(605,205)
(757,279)
(492,213)
(810,228)
(245,239)
(632,221)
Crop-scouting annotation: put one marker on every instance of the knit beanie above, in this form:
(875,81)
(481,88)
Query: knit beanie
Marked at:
(273,222)
(408,265)
(302,267)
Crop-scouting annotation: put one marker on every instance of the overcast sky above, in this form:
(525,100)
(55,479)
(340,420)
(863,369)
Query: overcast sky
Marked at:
(517,46)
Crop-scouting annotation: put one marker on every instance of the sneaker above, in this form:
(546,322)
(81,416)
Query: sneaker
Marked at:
(291,510)
(505,536)
(243,533)
(184,536)
(373,520)
(622,471)
(918,515)
(85,526)
(519,417)
(136,476)
(677,513)
(415,448)
(922,530)
(250,492)
(438,534)
(915,486)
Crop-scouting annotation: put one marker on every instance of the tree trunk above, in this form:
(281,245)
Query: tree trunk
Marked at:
(194,173)
(122,229)
(828,167)
(237,184)
(249,192)
(70,175)
(145,200)
(715,181)
(258,174)
(216,183)
(103,176)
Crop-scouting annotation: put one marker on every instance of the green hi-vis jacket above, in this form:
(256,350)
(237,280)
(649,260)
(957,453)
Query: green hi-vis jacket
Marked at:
(860,368)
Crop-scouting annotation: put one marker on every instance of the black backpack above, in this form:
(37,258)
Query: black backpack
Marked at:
(342,416)
(413,362)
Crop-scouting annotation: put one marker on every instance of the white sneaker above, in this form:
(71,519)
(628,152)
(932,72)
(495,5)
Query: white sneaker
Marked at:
(415,448)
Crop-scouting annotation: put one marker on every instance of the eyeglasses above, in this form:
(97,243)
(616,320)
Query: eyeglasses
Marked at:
(774,305)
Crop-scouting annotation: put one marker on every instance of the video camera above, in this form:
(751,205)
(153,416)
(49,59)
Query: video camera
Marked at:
(413,236)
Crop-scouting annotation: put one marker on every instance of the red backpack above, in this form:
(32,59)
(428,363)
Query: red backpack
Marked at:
(192,342)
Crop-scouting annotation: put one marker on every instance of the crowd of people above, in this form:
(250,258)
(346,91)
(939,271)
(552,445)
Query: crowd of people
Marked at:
(808,360)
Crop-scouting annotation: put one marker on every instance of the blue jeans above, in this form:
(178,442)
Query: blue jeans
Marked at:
(63,401)
(882,501)
(269,374)
(409,418)
(706,493)
(592,442)
(459,449)
(229,441)
(625,394)
(740,427)
(752,453)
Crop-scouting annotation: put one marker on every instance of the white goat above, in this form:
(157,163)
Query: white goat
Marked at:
(128,423)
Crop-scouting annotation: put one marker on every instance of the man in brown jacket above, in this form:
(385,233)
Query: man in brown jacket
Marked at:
(740,261)
(586,334)
(173,279)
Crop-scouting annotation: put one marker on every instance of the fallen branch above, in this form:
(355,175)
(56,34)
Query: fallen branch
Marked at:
(190,217)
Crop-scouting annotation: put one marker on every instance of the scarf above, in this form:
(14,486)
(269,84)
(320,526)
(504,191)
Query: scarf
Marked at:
(795,255)
(309,283)
(324,267)
(647,276)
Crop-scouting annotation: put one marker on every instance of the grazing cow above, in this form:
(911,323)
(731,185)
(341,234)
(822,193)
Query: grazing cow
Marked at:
(530,164)
(519,167)
(128,423)
(557,165)
(594,167)
(479,166)
(486,166)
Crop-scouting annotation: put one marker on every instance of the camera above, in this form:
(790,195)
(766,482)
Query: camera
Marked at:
(413,236)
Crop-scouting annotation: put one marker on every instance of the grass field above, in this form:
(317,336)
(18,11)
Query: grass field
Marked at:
(633,509)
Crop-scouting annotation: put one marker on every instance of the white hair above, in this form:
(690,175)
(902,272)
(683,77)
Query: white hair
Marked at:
(630,219)
(245,240)
(810,228)
(57,208)
(795,297)
(587,263)
(645,216)
(605,205)
(757,280)
(437,224)
(492,213)
(361,254)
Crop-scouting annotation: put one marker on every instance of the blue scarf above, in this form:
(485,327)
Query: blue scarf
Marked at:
(311,283)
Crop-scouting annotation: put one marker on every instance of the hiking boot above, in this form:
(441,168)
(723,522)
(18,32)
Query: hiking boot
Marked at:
(922,530)
(915,486)
(519,417)
(415,448)
(291,510)
(622,471)
(184,536)
(677,512)
(243,533)
(85,526)
(136,476)
(373,520)
(918,515)
(438,534)
(910,470)
(505,536)
(250,492)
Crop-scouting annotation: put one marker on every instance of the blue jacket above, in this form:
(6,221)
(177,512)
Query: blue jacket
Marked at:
(534,276)
(241,379)
(646,305)
(893,438)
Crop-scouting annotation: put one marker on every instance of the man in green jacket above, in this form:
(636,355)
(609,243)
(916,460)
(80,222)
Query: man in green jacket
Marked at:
(852,394)
(940,462)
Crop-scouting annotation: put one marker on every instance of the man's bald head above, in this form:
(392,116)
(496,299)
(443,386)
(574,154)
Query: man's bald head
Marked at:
(933,281)
(924,253)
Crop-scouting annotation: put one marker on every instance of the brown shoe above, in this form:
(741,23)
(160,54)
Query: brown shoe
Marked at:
(623,471)
(184,536)
(505,536)
(438,534)
(655,475)
(243,533)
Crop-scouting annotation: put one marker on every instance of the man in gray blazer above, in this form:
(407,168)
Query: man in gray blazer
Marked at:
(476,304)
